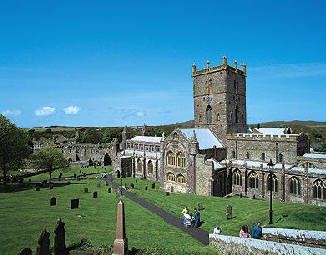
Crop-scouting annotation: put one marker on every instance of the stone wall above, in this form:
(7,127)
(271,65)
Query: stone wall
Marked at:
(248,246)
(252,146)
(204,180)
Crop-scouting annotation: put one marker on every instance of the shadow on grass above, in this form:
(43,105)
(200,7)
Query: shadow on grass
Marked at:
(17,187)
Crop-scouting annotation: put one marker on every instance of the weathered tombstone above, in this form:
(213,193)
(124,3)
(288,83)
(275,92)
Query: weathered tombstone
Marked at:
(229,212)
(132,185)
(26,251)
(200,206)
(98,185)
(75,175)
(51,185)
(59,238)
(37,189)
(60,176)
(172,188)
(84,174)
(43,244)
(109,190)
(86,190)
(74,203)
(240,195)
(167,193)
(153,185)
(120,245)
(146,187)
(53,201)
(78,178)
(95,194)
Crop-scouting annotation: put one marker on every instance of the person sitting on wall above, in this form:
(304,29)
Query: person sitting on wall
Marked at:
(244,232)
(257,231)
(184,212)
(197,218)
(217,230)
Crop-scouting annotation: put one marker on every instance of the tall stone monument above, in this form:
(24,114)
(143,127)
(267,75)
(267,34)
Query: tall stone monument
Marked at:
(120,246)
(59,238)
(43,246)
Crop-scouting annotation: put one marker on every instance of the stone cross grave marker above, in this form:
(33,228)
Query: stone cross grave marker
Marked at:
(43,244)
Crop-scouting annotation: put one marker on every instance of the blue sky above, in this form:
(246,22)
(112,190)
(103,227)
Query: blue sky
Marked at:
(116,63)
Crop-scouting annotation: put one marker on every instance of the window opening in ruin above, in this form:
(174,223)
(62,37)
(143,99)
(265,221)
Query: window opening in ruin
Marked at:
(209,114)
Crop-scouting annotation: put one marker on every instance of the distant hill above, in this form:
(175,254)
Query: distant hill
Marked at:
(308,123)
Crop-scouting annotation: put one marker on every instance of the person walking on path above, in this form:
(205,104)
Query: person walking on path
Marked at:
(257,231)
(197,218)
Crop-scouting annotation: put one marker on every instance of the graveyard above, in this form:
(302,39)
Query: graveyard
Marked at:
(24,213)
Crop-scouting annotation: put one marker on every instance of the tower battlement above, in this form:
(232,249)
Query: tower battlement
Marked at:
(223,66)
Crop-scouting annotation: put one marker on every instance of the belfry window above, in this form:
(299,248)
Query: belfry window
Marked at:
(209,114)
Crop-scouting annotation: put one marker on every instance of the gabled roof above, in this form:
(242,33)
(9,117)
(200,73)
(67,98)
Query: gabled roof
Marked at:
(270,131)
(148,139)
(206,139)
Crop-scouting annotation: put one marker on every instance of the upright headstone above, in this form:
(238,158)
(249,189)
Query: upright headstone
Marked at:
(109,190)
(37,189)
(95,194)
(74,203)
(26,251)
(51,185)
(146,187)
(59,238)
(153,185)
(132,185)
(53,201)
(120,246)
(43,244)
(229,212)
(86,190)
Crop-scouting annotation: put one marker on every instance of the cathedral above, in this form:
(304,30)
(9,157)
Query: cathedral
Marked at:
(220,156)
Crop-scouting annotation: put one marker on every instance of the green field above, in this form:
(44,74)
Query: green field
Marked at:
(23,214)
(245,211)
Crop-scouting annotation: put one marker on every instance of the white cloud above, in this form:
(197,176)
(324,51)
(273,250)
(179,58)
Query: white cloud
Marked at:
(11,112)
(71,109)
(45,111)
(140,114)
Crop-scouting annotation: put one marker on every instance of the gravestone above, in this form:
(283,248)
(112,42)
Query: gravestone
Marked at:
(60,176)
(43,244)
(98,185)
(53,201)
(132,185)
(26,251)
(109,190)
(86,190)
(200,206)
(51,185)
(120,245)
(78,178)
(75,175)
(167,193)
(172,188)
(29,180)
(240,195)
(37,189)
(153,185)
(59,238)
(229,212)
(95,194)
(74,203)
(146,188)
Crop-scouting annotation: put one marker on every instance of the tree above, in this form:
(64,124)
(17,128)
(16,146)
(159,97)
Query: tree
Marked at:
(106,138)
(14,147)
(50,158)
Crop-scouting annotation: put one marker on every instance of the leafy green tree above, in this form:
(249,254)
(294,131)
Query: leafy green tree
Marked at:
(322,147)
(50,158)
(106,138)
(14,147)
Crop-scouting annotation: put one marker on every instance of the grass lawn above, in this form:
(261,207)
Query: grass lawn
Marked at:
(23,214)
(245,211)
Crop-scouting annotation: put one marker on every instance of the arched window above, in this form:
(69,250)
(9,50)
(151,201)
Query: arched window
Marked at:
(170,158)
(253,180)
(274,183)
(180,178)
(319,189)
(247,155)
(171,177)
(233,154)
(294,186)
(150,167)
(218,118)
(280,157)
(237,177)
(209,114)
(139,165)
(236,114)
(263,157)
(181,160)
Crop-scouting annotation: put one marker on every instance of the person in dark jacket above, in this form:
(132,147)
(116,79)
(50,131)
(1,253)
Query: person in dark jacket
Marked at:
(197,218)
(257,231)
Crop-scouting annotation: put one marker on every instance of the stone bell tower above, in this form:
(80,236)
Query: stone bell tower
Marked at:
(220,98)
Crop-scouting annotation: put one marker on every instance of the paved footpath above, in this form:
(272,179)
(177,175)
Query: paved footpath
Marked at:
(197,233)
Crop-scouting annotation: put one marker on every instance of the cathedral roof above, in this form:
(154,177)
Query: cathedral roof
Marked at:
(206,139)
(148,139)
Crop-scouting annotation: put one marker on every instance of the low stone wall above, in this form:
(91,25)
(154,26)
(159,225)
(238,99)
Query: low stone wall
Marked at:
(296,236)
(248,246)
